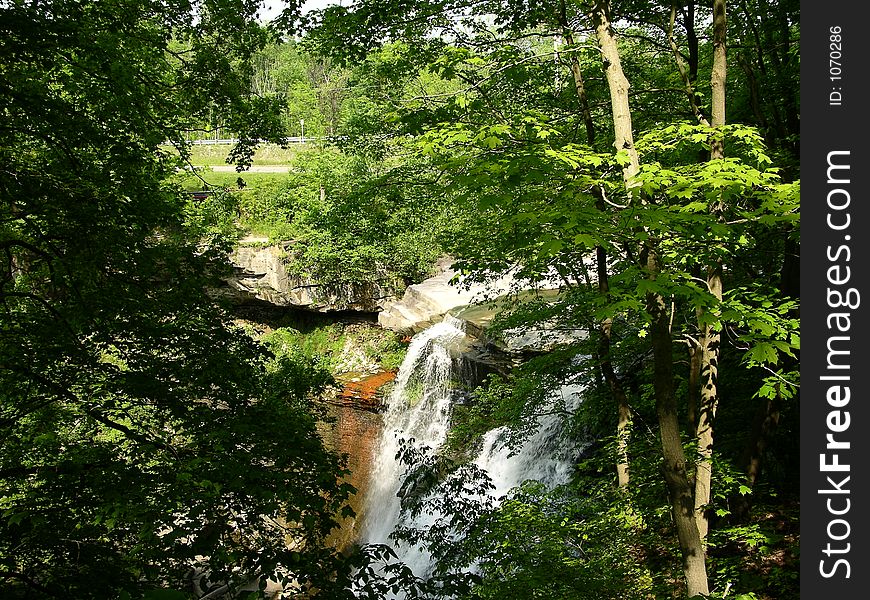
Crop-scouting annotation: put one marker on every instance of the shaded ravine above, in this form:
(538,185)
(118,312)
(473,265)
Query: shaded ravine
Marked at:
(418,415)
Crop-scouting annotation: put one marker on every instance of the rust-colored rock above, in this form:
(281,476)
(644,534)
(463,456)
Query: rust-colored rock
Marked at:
(365,392)
(355,433)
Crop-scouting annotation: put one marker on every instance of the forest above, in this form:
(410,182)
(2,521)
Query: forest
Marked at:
(632,165)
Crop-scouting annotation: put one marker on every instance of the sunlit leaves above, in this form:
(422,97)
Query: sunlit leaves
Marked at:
(766,326)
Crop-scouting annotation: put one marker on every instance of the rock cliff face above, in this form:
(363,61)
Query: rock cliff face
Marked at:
(425,303)
(354,432)
(261,273)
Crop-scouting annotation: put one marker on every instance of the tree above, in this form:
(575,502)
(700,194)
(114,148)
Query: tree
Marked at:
(145,440)
(512,158)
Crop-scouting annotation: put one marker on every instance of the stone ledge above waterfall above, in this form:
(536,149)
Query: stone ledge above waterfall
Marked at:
(426,303)
(260,271)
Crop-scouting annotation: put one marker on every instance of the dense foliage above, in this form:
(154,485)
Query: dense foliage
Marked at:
(145,441)
(147,444)
(676,251)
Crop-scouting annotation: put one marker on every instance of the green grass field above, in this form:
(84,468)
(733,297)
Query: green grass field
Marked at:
(206,156)
(267,154)
(206,179)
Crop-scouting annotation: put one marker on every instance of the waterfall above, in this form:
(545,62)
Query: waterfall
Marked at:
(543,456)
(418,412)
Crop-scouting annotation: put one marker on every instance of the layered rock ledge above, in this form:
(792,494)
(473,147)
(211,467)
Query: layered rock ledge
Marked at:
(260,271)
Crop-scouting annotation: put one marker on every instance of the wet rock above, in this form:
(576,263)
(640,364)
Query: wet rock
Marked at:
(354,431)
(261,272)
(365,392)
(426,303)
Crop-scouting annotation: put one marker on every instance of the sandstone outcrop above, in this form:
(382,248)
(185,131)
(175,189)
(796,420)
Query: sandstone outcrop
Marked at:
(261,272)
(426,303)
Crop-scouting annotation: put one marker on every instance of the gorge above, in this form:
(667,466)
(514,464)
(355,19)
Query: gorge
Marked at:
(475,245)
(393,424)
(417,422)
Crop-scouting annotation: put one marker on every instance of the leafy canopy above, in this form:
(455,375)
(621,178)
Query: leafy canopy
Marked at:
(144,439)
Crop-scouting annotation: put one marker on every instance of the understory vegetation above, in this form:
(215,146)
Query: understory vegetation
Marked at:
(152,447)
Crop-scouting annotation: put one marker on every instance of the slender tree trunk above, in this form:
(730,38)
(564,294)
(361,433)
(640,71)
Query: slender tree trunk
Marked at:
(581,93)
(687,73)
(755,97)
(707,413)
(712,337)
(619,86)
(766,421)
(617,390)
(577,75)
(674,467)
(623,411)
(764,424)
(691,40)
(718,76)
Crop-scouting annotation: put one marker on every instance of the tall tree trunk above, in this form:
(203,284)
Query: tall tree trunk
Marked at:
(674,466)
(711,340)
(675,473)
(577,74)
(623,411)
(709,402)
(687,73)
(755,97)
(764,424)
(618,85)
(691,40)
(605,327)
(718,75)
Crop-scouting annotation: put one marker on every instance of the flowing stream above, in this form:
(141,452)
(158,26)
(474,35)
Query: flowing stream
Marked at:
(418,413)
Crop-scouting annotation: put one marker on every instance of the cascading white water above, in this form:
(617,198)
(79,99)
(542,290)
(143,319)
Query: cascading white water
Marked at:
(418,411)
(543,456)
